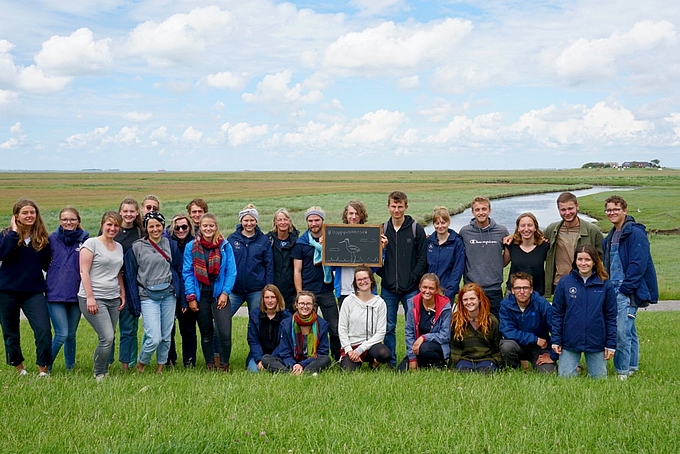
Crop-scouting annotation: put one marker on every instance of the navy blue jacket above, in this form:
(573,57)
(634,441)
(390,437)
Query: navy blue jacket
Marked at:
(22,266)
(447,261)
(526,327)
(584,314)
(63,274)
(636,259)
(254,260)
(255,327)
(285,351)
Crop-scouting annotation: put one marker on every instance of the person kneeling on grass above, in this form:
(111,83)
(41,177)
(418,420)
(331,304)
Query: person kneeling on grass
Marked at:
(362,324)
(303,344)
(264,326)
(584,316)
(474,333)
(525,326)
(428,326)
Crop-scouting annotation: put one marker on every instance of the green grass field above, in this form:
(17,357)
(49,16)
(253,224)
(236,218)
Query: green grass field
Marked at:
(383,411)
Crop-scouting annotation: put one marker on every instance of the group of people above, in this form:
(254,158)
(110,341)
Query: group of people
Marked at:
(141,265)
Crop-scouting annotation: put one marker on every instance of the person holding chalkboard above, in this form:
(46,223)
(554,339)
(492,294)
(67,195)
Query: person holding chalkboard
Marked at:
(404,264)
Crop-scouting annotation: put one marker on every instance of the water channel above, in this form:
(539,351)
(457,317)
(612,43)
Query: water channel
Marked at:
(543,206)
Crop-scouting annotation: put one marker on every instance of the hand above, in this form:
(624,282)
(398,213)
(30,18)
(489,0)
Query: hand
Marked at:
(260,366)
(354,356)
(542,343)
(92,307)
(193,305)
(507,240)
(297,369)
(122,303)
(184,310)
(13,224)
(384,241)
(608,354)
(413,365)
(416,345)
(557,349)
(222,301)
(544,358)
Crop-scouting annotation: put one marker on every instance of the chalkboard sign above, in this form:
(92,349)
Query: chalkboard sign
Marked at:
(352,245)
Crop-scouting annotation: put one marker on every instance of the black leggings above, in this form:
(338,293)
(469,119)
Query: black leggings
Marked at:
(275,364)
(378,352)
(430,354)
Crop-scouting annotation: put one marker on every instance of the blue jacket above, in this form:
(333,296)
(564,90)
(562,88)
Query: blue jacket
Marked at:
(132,299)
(441,330)
(526,327)
(224,282)
(447,261)
(636,259)
(22,266)
(584,314)
(254,327)
(254,260)
(285,351)
(63,274)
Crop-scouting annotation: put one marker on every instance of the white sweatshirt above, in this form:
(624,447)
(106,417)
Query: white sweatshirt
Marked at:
(362,324)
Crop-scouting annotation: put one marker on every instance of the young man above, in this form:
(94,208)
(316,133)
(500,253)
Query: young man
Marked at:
(195,209)
(484,260)
(525,326)
(405,263)
(628,261)
(150,203)
(309,274)
(564,237)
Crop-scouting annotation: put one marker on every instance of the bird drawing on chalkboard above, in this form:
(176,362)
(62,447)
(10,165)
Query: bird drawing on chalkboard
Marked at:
(352,249)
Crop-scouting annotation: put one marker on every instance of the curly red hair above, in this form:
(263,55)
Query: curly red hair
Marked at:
(461,318)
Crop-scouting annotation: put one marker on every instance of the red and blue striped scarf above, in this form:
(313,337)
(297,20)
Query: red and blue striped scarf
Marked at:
(299,338)
(204,270)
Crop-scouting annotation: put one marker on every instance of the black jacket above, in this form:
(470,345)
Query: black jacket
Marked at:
(405,257)
(283,264)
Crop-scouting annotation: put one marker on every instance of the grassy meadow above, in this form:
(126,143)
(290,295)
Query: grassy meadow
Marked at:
(381,411)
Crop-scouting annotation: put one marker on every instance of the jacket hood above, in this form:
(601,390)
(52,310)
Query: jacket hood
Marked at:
(373,302)
(246,239)
(492,225)
(451,239)
(440,302)
(408,220)
(628,224)
(532,300)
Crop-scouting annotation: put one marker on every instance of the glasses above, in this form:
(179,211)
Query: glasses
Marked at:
(305,304)
(612,211)
(181,227)
(522,289)
(151,208)
(69,221)
(363,279)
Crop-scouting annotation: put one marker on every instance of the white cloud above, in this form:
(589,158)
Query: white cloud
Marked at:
(375,127)
(86,139)
(74,55)
(16,138)
(181,38)
(378,7)
(8,70)
(482,128)
(8,97)
(128,135)
(243,133)
(408,83)
(601,58)
(192,135)
(138,117)
(274,89)
(225,79)
(674,119)
(161,135)
(34,80)
(314,134)
(396,47)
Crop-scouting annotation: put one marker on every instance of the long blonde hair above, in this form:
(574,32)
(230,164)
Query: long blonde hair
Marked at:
(37,232)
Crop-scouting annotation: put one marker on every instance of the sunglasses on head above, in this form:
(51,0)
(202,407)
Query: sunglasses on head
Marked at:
(181,227)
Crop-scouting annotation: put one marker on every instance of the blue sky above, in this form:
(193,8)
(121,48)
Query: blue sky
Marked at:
(332,85)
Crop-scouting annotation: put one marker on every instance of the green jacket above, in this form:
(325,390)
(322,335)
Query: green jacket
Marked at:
(588,234)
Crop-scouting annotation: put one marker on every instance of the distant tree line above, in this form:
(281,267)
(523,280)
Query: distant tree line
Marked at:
(654,163)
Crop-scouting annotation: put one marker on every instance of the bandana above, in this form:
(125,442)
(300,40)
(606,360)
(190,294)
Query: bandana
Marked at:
(154,215)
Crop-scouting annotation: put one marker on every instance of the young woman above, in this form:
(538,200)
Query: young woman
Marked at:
(209,273)
(63,282)
(153,267)
(181,231)
(263,327)
(343,276)
(131,229)
(474,333)
(362,324)
(428,326)
(254,260)
(445,253)
(102,292)
(25,253)
(282,238)
(303,345)
(527,251)
(584,316)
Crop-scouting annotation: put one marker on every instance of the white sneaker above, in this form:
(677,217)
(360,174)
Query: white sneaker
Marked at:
(623,377)
(23,372)
(43,374)
(100,378)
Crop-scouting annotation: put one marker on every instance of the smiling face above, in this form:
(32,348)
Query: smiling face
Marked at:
(110,229)
(208,227)
(568,211)
(181,228)
(248,223)
(26,216)
(441,225)
(363,281)
(616,214)
(155,230)
(282,223)
(149,205)
(584,264)
(304,305)
(352,215)
(314,224)
(428,289)
(481,212)
(128,213)
(196,212)
(471,303)
(68,220)
(526,228)
(270,301)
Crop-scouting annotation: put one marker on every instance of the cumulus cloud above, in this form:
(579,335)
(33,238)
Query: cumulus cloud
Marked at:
(8,97)
(600,58)
(34,80)
(274,89)
(378,7)
(128,135)
(484,127)
(396,47)
(181,38)
(74,55)
(161,135)
(15,139)
(86,139)
(674,119)
(225,79)
(314,134)
(192,135)
(138,117)
(243,133)
(375,127)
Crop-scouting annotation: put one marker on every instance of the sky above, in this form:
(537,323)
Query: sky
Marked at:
(179,85)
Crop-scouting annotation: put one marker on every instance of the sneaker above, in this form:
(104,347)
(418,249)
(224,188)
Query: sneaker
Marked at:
(23,372)
(100,378)
(623,377)
(43,374)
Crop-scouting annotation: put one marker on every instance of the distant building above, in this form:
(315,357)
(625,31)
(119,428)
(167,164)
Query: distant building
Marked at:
(638,164)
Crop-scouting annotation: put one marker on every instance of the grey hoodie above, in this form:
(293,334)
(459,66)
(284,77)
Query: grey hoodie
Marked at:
(152,268)
(484,254)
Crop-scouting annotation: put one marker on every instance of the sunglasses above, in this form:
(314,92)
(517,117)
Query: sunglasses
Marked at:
(181,227)
(151,208)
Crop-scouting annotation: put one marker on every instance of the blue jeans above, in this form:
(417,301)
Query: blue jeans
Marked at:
(104,324)
(484,367)
(127,325)
(392,301)
(627,344)
(237,299)
(568,362)
(158,318)
(65,319)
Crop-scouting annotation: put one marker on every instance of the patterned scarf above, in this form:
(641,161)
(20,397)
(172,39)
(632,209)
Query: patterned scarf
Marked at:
(299,338)
(204,270)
